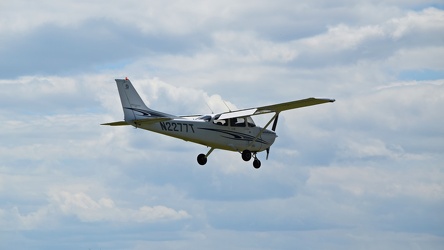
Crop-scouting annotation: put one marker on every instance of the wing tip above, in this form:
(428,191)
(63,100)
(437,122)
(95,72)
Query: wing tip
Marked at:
(321,99)
(326,99)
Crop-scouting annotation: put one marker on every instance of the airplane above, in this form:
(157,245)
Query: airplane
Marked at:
(232,130)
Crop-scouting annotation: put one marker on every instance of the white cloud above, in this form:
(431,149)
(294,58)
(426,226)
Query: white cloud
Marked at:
(375,181)
(105,209)
(13,219)
(86,209)
(342,37)
(417,59)
(429,20)
(248,48)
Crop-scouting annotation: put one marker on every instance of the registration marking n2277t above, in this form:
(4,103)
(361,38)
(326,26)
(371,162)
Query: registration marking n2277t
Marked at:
(177,127)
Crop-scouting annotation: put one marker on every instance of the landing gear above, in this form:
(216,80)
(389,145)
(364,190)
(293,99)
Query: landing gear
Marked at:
(201,159)
(256,163)
(247,155)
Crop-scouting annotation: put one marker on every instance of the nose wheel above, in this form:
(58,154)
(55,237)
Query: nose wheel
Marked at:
(256,163)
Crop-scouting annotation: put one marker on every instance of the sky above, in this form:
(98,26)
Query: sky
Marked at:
(364,172)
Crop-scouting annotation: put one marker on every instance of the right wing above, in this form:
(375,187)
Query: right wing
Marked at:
(292,105)
(275,108)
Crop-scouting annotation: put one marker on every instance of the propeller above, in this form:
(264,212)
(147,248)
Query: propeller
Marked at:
(274,129)
(275,123)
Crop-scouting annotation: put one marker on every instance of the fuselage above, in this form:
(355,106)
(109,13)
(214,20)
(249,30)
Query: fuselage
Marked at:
(236,134)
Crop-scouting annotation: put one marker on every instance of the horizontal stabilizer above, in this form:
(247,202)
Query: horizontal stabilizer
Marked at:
(138,122)
(151,120)
(121,123)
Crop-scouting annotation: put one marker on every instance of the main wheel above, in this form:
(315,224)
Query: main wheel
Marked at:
(246,155)
(201,159)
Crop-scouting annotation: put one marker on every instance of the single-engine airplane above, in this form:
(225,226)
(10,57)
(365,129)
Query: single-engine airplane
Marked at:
(233,130)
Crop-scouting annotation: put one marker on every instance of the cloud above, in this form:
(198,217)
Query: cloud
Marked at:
(374,181)
(91,39)
(104,209)
(234,197)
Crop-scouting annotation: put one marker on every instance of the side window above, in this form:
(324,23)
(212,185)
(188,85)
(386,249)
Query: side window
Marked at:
(237,122)
(221,122)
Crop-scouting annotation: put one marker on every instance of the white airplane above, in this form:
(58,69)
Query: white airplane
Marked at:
(233,130)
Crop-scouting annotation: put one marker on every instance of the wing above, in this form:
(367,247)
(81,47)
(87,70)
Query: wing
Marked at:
(120,123)
(292,105)
(275,108)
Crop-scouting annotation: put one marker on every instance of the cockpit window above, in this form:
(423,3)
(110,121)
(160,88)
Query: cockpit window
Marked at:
(250,122)
(237,122)
(221,122)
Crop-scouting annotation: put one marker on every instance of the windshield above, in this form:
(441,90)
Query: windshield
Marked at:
(206,118)
(250,122)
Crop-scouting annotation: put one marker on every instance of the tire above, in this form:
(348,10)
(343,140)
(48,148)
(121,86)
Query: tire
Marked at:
(201,159)
(256,163)
(246,155)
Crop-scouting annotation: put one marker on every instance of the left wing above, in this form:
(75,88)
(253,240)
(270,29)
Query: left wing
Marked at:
(275,108)
(120,123)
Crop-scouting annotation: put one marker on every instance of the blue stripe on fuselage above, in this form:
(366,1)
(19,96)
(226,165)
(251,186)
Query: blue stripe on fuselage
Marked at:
(237,135)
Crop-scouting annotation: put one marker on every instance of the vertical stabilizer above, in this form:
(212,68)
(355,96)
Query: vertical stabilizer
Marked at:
(133,106)
(131,101)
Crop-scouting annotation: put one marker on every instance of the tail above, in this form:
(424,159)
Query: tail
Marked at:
(133,106)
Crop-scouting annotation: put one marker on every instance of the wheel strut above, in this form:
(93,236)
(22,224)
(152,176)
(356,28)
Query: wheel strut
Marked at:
(202,158)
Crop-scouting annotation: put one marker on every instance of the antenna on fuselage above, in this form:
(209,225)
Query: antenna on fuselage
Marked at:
(226,105)
(212,112)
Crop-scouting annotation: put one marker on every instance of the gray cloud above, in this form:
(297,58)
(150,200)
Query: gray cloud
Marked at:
(92,45)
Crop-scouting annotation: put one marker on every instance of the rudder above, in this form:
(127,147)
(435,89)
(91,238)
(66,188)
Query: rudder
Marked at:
(133,106)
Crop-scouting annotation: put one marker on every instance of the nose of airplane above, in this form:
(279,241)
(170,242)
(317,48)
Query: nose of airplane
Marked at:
(270,136)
